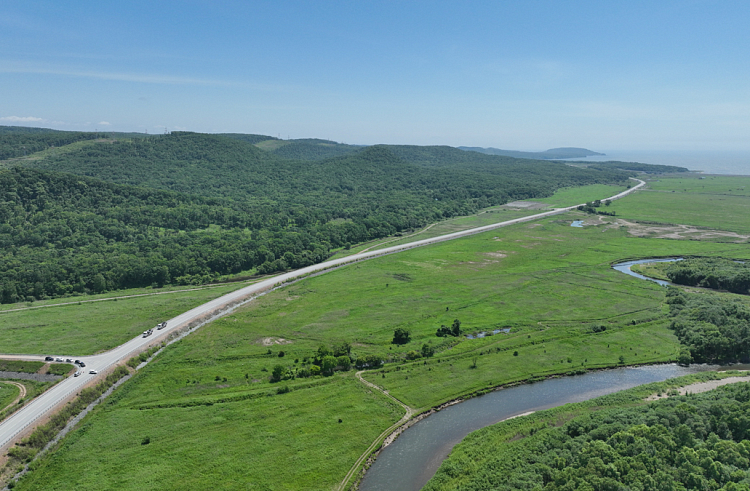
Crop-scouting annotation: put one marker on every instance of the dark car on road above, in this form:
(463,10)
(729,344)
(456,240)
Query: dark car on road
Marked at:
(48,358)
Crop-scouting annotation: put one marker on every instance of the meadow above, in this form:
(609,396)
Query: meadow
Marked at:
(716,202)
(75,327)
(205,413)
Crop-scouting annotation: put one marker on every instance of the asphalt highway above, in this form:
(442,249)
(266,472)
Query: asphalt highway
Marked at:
(45,404)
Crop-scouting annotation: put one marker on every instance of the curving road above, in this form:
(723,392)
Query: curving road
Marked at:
(44,405)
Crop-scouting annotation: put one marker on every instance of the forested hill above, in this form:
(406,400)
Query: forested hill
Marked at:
(552,153)
(187,207)
(212,165)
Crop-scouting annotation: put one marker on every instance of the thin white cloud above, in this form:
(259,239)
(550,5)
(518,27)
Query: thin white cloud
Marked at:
(7,66)
(105,123)
(21,119)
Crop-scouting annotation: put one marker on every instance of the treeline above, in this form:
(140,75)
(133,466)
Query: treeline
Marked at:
(637,166)
(18,144)
(714,273)
(713,329)
(314,149)
(697,442)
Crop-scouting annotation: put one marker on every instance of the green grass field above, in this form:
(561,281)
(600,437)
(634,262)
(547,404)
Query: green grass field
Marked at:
(214,420)
(8,394)
(89,327)
(715,202)
(20,366)
(583,194)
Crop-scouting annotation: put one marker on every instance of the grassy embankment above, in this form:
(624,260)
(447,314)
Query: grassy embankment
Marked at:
(90,327)
(214,419)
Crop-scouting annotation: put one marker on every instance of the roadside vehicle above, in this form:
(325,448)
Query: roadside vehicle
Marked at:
(82,364)
(161,326)
(48,358)
(58,360)
(78,373)
(93,372)
(68,360)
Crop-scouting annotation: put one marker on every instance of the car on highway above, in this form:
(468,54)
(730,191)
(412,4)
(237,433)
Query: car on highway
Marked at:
(68,360)
(161,326)
(93,372)
(77,362)
(82,364)
(58,360)
(78,373)
(147,333)
(48,358)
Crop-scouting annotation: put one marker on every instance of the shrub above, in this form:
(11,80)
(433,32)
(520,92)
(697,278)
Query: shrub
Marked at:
(278,373)
(401,336)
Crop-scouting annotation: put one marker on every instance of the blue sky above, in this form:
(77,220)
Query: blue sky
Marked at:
(527,75)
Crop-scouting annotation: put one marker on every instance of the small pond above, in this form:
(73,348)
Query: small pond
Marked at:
(577,223)
(487,333)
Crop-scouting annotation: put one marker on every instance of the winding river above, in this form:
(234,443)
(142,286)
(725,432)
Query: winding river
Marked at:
(414,457)
(410,461)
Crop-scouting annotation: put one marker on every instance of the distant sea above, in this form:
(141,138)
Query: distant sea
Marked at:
(737,163)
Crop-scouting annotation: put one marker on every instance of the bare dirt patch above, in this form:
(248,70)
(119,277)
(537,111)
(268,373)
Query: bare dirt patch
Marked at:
(699,387)
(678,232)
(498,254)
(526,205)
(271,341)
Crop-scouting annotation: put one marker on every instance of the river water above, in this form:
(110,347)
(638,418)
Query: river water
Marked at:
(410,461)
(625,268)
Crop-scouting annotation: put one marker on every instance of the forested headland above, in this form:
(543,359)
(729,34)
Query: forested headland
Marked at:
(186,208)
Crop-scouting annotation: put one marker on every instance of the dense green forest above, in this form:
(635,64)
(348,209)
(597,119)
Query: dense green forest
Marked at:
(715,273)
(695,442)
(713,328)
(314,149)
(186,207)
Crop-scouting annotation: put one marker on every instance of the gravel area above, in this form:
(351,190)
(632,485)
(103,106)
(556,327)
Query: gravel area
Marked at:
(30,376)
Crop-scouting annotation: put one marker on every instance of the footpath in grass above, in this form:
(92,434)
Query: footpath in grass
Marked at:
(87,328)
(205,413)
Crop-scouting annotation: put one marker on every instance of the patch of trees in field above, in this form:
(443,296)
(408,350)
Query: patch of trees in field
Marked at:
(697,442)
(714,273)
(713,329)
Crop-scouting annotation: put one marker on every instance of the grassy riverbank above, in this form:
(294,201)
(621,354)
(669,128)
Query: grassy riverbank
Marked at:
(214,419)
